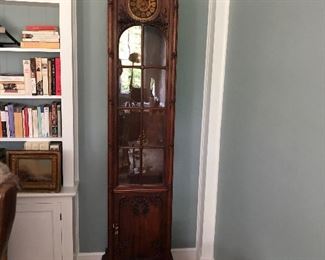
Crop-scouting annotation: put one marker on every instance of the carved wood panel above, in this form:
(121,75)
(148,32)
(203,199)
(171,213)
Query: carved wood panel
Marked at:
(141,226)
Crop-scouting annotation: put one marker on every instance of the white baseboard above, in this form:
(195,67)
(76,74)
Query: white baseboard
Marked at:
(178,254)
(184,254)
(90,256)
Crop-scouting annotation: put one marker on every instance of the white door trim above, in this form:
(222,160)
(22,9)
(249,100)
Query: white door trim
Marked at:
(217,34)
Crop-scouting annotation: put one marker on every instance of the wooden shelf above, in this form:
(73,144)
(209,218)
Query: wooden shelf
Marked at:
(31,50)
(29,97)
(24,139)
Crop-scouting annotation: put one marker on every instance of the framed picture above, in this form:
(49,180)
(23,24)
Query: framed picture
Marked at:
(38,171)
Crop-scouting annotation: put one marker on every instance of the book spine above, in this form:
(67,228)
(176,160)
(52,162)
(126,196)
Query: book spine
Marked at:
(54,120)
(39,121)
(4,119)
(40,33)
(47,120)
(7,121)
(59,120)
(41,28)
(26,122)
(0,126)
(27,77)
(53,78)
(23,122)
(11,120)
(58,76)
(15,78)
(39,77)
(35,123)
(30,121)
(45,76)
(41,39)
(12,92)
(41,45)
(18,123)
(49,74)
(33,75)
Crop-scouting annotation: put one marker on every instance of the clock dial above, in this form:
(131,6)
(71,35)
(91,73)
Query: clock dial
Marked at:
(143,10)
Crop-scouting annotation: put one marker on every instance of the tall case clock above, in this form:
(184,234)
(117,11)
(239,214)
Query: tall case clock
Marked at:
(142,39)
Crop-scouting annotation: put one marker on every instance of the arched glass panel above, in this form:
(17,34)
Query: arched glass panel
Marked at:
(130,46)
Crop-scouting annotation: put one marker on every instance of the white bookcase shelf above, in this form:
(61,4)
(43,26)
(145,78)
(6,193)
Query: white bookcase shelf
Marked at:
(12,97)
(38,1)
(17,49)
(24,139)
(63,231)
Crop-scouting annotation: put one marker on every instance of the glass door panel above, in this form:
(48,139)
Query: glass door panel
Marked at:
(152,166)
(129,166)
(154,90)
(129,128)
(154,125)
(154,47)
(130,87)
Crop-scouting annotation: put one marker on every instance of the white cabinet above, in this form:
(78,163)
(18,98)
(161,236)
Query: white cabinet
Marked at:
(43,228)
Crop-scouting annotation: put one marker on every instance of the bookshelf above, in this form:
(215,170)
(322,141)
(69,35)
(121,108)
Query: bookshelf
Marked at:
(28,50)
(63,243)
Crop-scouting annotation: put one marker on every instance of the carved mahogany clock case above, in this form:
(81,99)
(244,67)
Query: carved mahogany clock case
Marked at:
(142,39)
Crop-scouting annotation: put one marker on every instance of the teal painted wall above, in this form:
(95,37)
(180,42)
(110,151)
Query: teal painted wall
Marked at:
(271,202)
(92,33)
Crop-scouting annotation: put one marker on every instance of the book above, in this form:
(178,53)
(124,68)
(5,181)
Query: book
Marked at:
(39,121)
(58,107)
(35,122)
(47,120)
(39,76)
(30,122)
(12,88)
(26,122)
(4,119)
(45,76)
(41,28)
(58,76)
(18,122)
(0,127)
(12,78)
(40,33)
(53,77)
(12,92)
(33,75)
(13,85)
(27,76)
(40,45)
(11,120)
(7,121)
(54,120)
(49,66)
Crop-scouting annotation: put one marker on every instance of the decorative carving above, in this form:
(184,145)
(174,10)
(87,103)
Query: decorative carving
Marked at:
(143,10)
(141,205)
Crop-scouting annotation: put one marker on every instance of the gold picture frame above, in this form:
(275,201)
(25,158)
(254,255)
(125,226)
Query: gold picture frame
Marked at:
(38,171)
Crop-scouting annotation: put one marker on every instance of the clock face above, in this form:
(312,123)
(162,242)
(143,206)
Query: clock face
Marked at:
(143,10)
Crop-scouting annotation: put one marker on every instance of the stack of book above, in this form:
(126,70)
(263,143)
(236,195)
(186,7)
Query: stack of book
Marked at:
(19,120)
(11,84)
(40,36)
(42,76)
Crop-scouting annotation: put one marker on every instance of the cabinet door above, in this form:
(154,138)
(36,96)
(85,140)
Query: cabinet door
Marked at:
(36,233)
(140,226)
